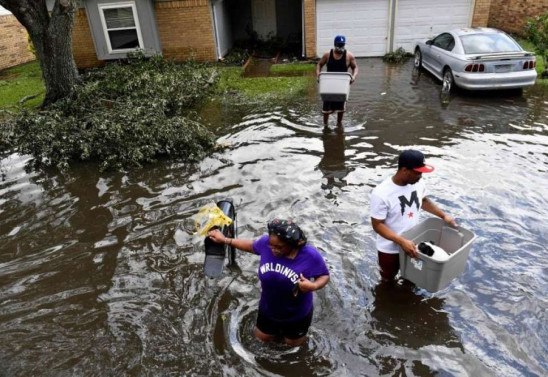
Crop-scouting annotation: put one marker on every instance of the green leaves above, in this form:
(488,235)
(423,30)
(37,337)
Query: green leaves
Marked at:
(123,115)
(398,56)
(536,31)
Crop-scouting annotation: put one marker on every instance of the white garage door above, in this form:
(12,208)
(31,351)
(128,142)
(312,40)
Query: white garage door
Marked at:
(421,19)
(363,22)
(366,23)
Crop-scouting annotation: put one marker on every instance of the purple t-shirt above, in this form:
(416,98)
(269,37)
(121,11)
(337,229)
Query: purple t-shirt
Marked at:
(278,276)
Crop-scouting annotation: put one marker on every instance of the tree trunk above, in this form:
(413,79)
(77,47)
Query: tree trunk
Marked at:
(51,34)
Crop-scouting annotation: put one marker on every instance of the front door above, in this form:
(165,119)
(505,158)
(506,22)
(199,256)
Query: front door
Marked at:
(264,18)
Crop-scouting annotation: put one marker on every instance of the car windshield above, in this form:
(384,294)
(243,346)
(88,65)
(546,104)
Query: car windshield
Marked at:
(488,43)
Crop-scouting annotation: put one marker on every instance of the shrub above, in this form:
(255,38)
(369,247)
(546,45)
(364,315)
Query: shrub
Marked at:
(236,56)
(536,31)
(123,115)
(398,56)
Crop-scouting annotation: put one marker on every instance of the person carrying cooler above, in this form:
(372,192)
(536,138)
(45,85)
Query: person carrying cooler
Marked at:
(394,208)
(338,59)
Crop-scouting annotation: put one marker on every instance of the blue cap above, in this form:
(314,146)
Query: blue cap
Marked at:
(340,39)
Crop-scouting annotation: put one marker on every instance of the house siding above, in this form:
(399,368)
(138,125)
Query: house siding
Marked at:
(13,43)
(511,15)
(185,27)
(186,30)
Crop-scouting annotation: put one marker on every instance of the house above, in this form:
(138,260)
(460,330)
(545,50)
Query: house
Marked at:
(207,29)
(13,41)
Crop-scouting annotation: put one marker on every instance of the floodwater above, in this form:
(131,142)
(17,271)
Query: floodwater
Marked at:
(101,275)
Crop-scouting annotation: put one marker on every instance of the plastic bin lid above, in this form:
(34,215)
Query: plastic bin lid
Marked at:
(335,74)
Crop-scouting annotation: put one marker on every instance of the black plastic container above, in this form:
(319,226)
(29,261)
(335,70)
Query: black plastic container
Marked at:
(215,253)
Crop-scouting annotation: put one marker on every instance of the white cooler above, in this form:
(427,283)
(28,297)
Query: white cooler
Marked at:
(335,86)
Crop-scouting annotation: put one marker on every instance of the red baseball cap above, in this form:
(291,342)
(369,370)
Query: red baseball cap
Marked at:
(414,159)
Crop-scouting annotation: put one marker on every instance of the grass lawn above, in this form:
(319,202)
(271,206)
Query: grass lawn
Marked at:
(286,85)
(19,82)
(26,80)
(296,67)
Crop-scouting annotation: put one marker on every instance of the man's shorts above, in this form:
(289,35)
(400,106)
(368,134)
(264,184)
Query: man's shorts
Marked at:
(389,265)
(331,107)
(290,330)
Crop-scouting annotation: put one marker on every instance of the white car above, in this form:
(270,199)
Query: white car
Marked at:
(477,59)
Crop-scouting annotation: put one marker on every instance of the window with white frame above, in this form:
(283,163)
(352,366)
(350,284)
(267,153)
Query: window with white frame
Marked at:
(121,27)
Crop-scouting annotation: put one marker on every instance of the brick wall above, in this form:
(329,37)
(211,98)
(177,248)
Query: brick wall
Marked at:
(310,28)
(13,43)
(83,48)
(481,12)
(184,26)
(511,15)
(186,30)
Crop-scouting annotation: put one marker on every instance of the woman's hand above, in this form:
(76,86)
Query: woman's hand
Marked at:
(306,285)
(217,236)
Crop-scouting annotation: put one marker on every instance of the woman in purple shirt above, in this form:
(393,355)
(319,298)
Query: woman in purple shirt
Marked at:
(289,271)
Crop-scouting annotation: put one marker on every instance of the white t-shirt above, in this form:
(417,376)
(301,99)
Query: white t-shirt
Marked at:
(398,206)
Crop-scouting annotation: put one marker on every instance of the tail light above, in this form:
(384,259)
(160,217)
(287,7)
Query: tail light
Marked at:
(474,68)
(529,64)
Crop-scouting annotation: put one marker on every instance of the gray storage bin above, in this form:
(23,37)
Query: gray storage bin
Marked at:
(335,86)
(426,272)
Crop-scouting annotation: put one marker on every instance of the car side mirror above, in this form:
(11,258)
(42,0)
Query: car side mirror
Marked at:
(429,42)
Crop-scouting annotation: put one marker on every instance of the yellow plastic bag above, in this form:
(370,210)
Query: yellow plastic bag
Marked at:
(209,216)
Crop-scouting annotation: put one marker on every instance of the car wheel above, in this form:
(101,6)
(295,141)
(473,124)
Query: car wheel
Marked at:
(448,82)
(418,58)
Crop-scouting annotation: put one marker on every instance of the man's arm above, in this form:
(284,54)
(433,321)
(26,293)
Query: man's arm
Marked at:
(431,207)
(384,231)
(354,66)
(321,63)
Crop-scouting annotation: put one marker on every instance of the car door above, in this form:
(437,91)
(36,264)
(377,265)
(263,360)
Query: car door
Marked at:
(427,55)
(440,52)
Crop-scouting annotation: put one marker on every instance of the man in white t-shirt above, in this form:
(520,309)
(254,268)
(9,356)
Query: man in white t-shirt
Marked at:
(395,205)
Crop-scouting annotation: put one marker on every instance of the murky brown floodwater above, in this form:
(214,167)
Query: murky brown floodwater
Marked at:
(100,274)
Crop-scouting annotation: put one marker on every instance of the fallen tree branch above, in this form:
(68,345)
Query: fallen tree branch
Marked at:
(28,98)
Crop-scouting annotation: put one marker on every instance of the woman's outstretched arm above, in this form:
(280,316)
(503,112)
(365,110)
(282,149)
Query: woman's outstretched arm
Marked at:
(217,236)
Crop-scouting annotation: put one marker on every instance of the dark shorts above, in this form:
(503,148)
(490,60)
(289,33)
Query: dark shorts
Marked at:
(330,106)
(290,330)
(389,265)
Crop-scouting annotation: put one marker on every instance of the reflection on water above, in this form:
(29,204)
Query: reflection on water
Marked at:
(332,164)
(408,319)
(100,273)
